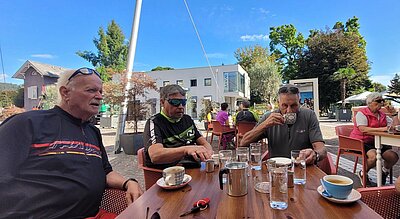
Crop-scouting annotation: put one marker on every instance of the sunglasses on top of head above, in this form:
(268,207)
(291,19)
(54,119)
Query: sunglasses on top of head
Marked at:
(288,90)
(84,71)
(177,102)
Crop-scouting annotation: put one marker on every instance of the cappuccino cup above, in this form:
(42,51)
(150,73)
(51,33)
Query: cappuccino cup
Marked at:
(289,118)
(174,175)
(338,186)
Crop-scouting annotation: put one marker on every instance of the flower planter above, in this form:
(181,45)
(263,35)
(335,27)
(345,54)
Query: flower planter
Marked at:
(131,142)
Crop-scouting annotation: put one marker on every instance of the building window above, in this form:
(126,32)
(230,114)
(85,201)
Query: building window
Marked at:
(179,82)
(165,83)
(32,92)
(193,83)
(233,82)
(207,81)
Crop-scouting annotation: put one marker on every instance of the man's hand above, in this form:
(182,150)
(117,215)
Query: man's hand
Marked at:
(198,152)
(310,155)
(133,191)
(273,119)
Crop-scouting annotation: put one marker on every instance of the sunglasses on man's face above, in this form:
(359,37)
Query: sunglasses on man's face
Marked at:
(380,101)
(288,90)
(84,71)
(177,102)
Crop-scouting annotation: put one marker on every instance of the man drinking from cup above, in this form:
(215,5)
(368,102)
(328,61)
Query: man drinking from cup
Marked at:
(171,137)
(289,128)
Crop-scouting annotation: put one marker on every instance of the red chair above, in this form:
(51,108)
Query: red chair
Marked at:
(242,128)
(113,201)
(220,130)
(355,147)
(151,175)
(209,128)
(327,165)
(383,200)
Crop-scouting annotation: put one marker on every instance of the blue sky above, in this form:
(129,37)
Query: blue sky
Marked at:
(51,31)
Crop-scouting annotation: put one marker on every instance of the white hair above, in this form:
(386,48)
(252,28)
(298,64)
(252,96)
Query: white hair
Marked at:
(373,96)
(62,81)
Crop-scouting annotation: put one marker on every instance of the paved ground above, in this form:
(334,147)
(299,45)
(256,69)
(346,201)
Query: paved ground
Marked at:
(127,164)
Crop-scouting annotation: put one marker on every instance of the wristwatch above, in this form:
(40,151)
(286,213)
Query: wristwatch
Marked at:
(317,158)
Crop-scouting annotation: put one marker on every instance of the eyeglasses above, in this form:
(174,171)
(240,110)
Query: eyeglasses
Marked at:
(380,101)
(177,102)
(288,90)
(84,71)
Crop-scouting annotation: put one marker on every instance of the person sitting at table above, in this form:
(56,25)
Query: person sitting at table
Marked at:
(305,134)
(369,119)
(171,137)
(245,114)
(53,163)
(223,119)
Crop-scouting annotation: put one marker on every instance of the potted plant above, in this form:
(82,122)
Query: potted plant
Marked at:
(141,83)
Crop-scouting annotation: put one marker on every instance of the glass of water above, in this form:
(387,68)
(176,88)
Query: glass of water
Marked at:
(278,191)
(242,154)
(225,157)
(255,156)
(299,167)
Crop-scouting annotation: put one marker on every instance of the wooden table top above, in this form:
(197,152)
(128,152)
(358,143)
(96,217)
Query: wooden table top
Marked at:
(304,201)
(397,135)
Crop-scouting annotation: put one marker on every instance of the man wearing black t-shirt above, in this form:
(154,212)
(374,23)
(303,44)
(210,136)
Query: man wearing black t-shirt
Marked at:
(171,137)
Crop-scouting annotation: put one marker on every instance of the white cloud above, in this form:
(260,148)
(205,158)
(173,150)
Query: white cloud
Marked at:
(44,56)
(383,79)
(254,37)
(216,55)
(2,77)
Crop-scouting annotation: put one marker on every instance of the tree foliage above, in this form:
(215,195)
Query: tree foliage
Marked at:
(287,46)
(394,86)
(265,81)
(378,87)
(343,75)
(111,52)
(159,68)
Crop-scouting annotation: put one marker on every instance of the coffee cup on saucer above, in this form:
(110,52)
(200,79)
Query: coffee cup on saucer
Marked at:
(338,186)
(174,175)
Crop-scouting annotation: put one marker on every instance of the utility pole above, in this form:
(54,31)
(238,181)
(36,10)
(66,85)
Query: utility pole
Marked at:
(129,71)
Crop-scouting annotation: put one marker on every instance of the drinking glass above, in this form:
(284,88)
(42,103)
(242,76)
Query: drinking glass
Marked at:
(225,157)
(255,155)
(242,154)
(299,167)
(278,191)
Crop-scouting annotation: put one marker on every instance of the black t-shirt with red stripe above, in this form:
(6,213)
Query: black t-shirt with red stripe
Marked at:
(51,166)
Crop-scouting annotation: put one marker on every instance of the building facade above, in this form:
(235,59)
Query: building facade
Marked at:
(224,83)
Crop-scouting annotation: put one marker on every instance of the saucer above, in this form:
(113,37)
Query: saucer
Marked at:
(354,196)
(186,179)
(282,160)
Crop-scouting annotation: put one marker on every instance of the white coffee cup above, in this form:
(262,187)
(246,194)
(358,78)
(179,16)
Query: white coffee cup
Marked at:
(174,175)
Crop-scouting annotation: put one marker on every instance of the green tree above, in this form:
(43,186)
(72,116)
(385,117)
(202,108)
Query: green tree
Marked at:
(265,81)
(343,75)
(378,87)
(327,52)
(250,55)
(159,68)
(7,97)
(287,45)
(49,99)
(112,51)
(394,86)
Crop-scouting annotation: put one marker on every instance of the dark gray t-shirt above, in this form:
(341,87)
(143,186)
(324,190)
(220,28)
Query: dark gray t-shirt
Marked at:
(284,138)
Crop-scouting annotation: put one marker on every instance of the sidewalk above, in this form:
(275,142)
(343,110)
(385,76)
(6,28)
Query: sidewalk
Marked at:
(127,164)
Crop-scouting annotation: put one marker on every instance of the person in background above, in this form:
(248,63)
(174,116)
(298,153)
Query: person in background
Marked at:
(372,118)
(53,163)
(245,114)
(171,137)
(223,119)
(305,134)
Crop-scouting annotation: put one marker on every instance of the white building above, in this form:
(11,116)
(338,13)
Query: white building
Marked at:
(224,83)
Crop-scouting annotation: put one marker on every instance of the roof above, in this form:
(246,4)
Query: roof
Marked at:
(42,68)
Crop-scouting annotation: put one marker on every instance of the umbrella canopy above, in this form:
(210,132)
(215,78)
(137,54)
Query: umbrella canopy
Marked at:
(356,98)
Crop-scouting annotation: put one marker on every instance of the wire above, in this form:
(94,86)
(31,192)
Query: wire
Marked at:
(202,47)
(2,64)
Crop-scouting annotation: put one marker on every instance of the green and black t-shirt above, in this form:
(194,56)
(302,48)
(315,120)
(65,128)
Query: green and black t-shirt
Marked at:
(161,129)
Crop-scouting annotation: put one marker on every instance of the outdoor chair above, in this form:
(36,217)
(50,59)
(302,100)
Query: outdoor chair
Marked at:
(220,131)
(151,175)
(113,201)
(209,128)
(383,200)
(242,128)
(355,147)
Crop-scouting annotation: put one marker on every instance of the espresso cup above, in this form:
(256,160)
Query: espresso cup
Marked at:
(338,186)
(174,175)
(289,118)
